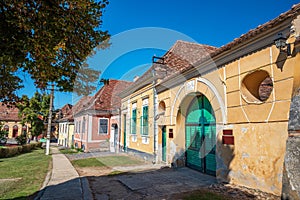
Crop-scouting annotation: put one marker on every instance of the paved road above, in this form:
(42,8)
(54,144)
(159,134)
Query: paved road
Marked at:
(155,184)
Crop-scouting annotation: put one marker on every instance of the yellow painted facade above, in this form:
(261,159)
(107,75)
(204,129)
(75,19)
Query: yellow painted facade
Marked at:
(139,142)
(255,111)
(15,128)
(66,134)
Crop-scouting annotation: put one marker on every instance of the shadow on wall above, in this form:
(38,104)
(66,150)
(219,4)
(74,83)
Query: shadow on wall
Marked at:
(224,155)
(179,159)
(197,121)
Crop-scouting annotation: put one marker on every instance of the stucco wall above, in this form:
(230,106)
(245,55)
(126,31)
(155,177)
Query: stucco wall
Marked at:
(137,141)
(259,128)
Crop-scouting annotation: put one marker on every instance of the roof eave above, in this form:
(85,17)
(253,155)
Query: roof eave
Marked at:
(255,43)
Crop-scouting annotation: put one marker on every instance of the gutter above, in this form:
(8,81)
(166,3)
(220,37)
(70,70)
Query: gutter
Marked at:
(213,62)
(155,130)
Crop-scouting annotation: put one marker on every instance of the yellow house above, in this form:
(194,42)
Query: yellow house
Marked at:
(139,126)
(11,121)
(228,114)
(65,122)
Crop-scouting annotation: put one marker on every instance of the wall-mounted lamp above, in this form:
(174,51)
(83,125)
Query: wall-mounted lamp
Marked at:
(282,45)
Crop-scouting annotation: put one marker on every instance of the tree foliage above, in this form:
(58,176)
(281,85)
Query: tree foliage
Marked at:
(33,111)
(3,134)
(50,40)
(86,80)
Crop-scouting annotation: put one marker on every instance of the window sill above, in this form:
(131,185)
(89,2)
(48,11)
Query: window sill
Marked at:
(133,137)
(145,139)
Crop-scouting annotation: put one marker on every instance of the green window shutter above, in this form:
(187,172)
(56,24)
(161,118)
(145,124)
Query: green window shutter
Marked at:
(133,122)
(145,121)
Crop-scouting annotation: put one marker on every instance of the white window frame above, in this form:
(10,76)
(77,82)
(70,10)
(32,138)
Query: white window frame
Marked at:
(145,103)
(99,126)
(83,126)
(134,107)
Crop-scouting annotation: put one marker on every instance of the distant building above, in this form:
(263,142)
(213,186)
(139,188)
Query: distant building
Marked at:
(11,121)
(96,118)
(65,122)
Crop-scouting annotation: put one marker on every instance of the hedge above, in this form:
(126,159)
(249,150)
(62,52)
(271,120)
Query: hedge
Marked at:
(13,151)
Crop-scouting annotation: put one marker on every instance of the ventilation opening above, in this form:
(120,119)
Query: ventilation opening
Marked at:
(257,87)
(161,107)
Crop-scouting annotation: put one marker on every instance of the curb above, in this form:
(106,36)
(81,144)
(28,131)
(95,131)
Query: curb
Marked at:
(86,190)
(46,181)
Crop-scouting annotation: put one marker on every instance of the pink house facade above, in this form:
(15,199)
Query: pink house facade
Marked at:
(96,118)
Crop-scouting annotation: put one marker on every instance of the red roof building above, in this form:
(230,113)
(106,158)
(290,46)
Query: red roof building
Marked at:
(10,120)
(96,117)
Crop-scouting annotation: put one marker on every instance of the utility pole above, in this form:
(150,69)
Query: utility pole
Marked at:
(49,121)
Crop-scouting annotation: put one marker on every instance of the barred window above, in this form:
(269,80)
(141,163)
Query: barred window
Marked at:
(103,126)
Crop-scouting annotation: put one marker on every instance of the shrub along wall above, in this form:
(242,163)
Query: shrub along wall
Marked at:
(13,151)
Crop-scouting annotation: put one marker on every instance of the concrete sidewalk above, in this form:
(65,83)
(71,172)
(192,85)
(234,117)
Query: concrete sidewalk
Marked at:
(64,181)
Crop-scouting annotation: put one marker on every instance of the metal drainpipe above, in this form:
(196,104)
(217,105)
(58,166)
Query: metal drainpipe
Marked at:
(119,129)
(155,130)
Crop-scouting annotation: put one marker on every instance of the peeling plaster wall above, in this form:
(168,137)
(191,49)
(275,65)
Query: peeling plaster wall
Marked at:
(291,177)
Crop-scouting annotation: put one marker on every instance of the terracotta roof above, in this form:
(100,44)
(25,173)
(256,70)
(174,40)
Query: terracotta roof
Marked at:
(81,104)
(291,14)
(9,113)
(106,99)
(66,109)
(181,56)
(68,117)
(66,113)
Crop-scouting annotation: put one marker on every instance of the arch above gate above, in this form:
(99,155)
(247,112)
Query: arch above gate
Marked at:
(205,87)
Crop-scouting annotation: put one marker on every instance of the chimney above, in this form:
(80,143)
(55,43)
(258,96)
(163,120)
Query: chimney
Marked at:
(135,78)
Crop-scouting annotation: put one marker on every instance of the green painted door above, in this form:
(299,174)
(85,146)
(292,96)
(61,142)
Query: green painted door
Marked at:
(200,136)
(164,144)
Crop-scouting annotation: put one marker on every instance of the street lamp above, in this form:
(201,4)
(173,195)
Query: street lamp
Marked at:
(282,45)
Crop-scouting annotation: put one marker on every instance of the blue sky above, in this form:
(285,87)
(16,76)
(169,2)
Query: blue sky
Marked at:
(141,29)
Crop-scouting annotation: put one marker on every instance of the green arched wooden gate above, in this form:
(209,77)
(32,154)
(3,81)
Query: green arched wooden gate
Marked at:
(200,128)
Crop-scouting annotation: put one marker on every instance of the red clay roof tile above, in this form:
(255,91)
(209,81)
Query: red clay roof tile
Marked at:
(9,113)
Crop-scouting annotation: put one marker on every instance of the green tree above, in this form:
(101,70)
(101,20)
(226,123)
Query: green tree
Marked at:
(33,112)
(3,134)
(50,40)
(86,80)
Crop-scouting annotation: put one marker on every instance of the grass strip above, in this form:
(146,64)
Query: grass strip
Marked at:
(23,175)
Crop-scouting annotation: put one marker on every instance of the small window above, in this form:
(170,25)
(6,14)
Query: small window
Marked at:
(79,122)
(83,125)
(103,126)
(6,128)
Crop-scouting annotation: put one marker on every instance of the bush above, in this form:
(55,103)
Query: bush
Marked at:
(10,152)
(27,148)
(13,151)
(21,139)
(79,150)
(38,145)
